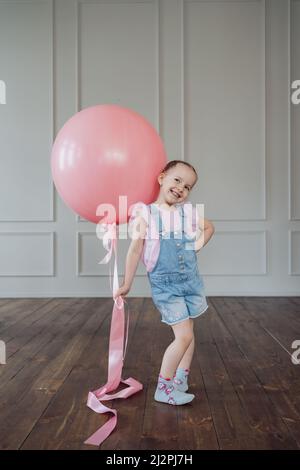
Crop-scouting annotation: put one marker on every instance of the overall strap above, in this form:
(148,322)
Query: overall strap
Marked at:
(182,217)
(155,216)
(154,210)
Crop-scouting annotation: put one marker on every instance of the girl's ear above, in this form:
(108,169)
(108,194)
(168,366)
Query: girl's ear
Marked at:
(160,178)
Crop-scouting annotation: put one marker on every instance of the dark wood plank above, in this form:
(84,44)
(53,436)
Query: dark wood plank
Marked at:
(246,387)
(54,428)
(295,301)
(18,309)
(255,342)
(22,400)
(242,368)
(67,422)
(227,412)
(35,338)
(5,301)
(131,411)
(160,426)
(196,425)
(16,336)
(280,318)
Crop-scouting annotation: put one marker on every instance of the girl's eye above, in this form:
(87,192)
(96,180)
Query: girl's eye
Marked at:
(176,179)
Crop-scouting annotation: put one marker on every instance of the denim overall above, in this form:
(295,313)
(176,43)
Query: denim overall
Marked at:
(177,287)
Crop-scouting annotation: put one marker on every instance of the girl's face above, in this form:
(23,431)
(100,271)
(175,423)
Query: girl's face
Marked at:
(176,184)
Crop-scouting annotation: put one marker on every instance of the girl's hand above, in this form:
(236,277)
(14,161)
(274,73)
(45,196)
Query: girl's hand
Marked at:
(123,291)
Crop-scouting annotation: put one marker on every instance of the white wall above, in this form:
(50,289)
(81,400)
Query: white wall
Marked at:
(213,77)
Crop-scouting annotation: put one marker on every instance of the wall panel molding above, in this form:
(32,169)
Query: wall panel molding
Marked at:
(264,215)
(293,216)
(30,250)
(50,5)
(294,245)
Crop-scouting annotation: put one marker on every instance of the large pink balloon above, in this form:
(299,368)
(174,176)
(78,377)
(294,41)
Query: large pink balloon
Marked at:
(103,152)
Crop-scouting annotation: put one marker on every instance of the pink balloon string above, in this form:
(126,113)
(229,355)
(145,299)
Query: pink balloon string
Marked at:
(117,352)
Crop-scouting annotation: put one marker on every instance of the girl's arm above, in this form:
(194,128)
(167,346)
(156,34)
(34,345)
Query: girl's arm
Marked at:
(133,255)
(207,230)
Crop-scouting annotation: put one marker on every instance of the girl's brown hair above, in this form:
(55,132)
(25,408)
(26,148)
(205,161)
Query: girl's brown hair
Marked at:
(173,163)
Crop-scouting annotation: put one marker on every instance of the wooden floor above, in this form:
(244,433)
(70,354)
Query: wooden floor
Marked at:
(247,388)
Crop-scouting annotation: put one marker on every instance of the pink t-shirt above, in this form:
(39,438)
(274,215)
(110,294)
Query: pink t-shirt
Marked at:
(171,221)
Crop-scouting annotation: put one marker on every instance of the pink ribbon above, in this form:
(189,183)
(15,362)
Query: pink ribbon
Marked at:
(117,352)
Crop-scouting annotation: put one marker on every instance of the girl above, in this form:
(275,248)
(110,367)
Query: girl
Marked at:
(176,285)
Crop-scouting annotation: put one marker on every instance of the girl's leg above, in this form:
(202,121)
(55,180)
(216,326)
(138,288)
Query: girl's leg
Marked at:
(186,361)
(176,350)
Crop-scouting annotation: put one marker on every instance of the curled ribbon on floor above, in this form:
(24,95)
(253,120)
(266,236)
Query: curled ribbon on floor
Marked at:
(117,352)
